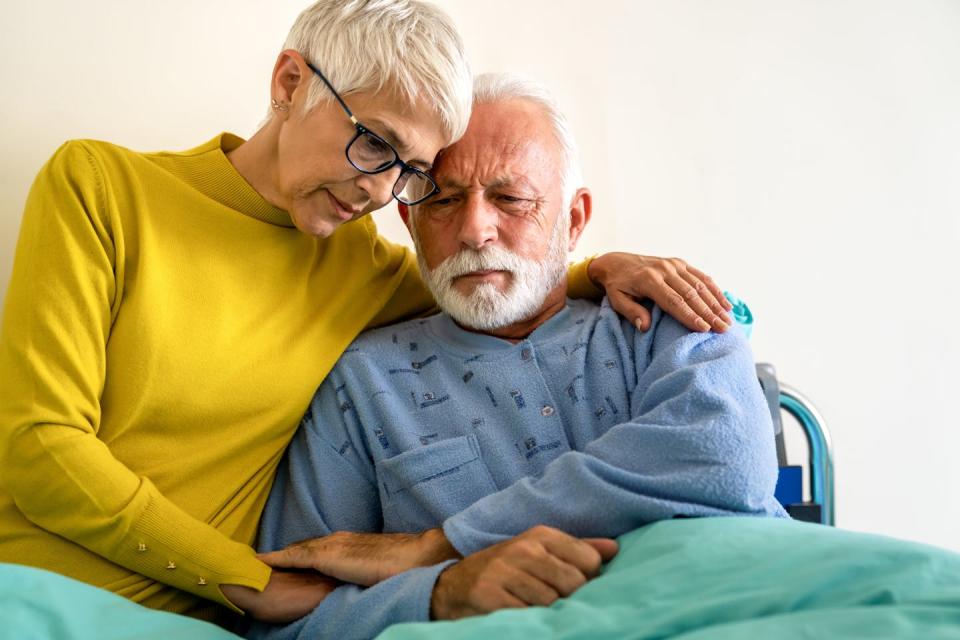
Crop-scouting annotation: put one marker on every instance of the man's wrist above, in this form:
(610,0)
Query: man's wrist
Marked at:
(439,595)
(436,548)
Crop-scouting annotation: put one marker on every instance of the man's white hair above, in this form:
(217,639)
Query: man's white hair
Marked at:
(501,87)
(368,45)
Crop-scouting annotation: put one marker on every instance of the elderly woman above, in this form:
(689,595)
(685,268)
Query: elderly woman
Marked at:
(171,314)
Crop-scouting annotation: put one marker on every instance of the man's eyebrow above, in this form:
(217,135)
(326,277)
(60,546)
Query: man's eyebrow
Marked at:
(388,133)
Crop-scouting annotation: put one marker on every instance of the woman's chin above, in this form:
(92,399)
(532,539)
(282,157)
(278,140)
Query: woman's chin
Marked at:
(315,223)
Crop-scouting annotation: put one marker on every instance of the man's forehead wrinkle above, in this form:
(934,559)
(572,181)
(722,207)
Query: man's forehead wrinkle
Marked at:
(494,163)
(505,144)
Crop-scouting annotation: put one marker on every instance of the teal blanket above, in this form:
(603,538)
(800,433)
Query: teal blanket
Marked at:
(40,605)
(737,578)
(712,578)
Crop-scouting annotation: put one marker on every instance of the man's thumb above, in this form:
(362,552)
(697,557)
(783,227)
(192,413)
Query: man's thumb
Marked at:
(606,547)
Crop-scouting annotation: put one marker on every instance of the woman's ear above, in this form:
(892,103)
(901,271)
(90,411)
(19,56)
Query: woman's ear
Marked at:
(288,76)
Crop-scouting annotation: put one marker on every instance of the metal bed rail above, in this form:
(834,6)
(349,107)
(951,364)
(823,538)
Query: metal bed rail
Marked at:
(820,447)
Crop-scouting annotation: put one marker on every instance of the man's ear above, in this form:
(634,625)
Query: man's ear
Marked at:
(404,213)
(288,75)
(580,211)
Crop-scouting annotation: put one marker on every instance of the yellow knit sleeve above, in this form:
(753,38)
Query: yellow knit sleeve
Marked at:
(579,284)
(65,292)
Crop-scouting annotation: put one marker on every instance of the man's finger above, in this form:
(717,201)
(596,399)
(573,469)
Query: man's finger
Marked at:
(505,600)
(562,576)
(629,308)
(575,552)
(530,590)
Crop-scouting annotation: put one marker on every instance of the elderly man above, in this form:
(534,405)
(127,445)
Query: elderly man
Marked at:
(518,431)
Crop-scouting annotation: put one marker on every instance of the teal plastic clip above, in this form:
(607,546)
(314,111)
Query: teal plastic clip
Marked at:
(741,314)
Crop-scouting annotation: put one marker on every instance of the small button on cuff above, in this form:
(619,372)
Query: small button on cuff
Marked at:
(547,410)
(141,547)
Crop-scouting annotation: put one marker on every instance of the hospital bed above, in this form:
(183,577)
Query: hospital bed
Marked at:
(782,399)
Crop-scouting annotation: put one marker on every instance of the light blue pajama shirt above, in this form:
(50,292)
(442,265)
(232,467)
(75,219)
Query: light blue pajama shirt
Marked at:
(588,425)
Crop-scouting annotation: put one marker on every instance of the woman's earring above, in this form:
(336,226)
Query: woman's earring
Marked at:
(277,105)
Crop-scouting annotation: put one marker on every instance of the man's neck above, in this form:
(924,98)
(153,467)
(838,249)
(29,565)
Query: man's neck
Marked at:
(555,301)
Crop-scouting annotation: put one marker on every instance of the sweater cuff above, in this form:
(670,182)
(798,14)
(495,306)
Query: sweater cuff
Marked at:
(170,546)
(579,284)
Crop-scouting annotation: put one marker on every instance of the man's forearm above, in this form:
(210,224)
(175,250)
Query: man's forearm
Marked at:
(352,611)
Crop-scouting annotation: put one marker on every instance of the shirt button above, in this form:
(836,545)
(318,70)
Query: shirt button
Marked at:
(141,547)
(526,353)
(547,410)
(171,565)
(202,582)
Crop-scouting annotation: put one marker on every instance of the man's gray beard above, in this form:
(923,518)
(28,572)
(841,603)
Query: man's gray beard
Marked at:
(487,308)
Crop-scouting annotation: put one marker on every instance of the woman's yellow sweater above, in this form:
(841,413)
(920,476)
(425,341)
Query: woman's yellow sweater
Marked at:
(164,330)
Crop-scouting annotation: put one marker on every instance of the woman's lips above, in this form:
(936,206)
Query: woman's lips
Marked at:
(345,212)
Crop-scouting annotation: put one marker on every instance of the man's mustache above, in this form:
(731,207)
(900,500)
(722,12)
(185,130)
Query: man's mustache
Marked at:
(470,260)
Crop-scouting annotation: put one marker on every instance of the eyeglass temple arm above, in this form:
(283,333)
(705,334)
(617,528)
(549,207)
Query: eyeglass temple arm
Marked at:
(333,91)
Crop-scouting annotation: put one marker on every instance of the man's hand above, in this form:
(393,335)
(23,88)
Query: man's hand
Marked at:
(287,596)
(687,294)
(535,568)
(365,558)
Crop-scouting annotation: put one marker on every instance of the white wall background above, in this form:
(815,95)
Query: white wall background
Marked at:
(807,154)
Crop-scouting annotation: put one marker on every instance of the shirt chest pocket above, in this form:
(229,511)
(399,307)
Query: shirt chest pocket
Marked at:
(425,486)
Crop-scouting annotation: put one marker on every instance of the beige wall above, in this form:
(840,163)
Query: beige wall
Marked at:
(807,154)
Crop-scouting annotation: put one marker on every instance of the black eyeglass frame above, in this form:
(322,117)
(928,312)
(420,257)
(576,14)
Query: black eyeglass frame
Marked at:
(362,130)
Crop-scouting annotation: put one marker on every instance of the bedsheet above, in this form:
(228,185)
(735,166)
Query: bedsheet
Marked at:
(41,605)
(737,578)
(696,579)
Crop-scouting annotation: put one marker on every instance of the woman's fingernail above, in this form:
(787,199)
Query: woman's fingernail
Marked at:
(702,325)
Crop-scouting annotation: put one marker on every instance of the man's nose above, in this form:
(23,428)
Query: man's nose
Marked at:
(379,186)
(478,223)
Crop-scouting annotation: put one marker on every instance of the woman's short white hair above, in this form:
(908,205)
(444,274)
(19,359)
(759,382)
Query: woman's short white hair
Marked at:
(500,87)
(405,45)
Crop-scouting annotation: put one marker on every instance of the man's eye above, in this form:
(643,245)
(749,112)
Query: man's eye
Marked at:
(514,205)
(440,205)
